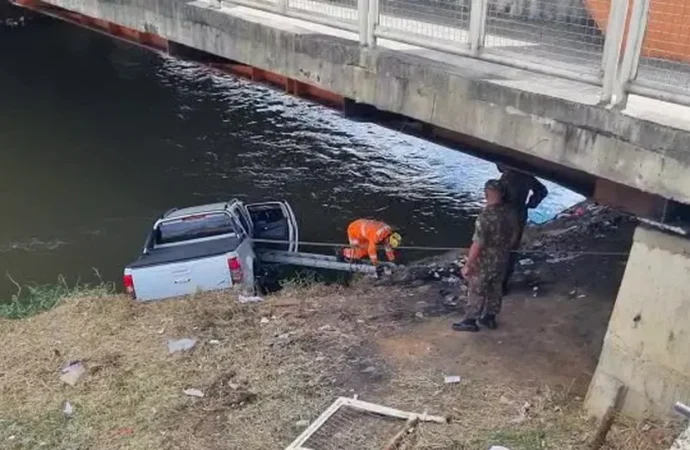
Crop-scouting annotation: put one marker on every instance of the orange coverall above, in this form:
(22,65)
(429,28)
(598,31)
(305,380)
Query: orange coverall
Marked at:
(364,235)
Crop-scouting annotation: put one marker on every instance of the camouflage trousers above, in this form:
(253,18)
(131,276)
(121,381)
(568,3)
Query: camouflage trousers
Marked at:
(514,255)
(485,295)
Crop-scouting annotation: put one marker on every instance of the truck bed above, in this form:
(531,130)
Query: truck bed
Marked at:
(186,252)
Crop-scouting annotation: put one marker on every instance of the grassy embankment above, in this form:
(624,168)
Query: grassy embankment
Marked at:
(264,370)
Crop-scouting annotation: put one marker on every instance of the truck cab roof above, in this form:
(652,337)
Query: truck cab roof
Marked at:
(201,209)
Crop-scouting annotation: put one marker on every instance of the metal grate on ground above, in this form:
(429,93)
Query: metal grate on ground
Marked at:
(665,59)
(353,429)
(558,33)
(440,20)
(351,424)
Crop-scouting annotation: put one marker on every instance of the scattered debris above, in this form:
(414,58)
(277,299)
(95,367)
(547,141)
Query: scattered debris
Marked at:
(249,299)
(452,280)
(67,409)
(193,392)
(498,447)
(181,345)
(452,379)
(560,259)
(523,413)
(556,233)
(302,423)
(214,342)
(72,372)
(324,424)
(419,315)
(526,262)
(450,300)
(535,291)
(505,400)
(370,369)
(409,428)
(122,432)
(265,320)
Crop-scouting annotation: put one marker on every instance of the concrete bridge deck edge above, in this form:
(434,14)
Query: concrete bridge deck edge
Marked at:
(463,95)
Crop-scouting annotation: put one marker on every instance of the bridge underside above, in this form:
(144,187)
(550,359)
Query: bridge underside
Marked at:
(547,126)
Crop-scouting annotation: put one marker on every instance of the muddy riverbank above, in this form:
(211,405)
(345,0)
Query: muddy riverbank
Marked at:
(261,372)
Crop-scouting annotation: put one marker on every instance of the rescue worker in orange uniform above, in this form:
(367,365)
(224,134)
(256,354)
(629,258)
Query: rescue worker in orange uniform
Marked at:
(364,235)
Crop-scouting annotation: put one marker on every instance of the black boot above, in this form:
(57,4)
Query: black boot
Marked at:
(489,321)
(466,325)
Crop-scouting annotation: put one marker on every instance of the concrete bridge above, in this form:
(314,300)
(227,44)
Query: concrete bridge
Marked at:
(600,112)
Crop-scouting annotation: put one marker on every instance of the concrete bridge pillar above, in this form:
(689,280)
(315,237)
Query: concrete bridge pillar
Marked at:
(646,351)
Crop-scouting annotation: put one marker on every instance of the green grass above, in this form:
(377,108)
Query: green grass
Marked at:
(519,439)
(31,300)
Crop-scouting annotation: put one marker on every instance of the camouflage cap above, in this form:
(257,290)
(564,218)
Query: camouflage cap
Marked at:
(495,185)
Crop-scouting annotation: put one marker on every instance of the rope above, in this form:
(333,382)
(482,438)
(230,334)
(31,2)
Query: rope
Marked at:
(445,249)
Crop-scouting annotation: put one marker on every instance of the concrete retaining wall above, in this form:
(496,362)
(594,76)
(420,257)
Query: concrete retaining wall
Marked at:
(604,143)
(647,345)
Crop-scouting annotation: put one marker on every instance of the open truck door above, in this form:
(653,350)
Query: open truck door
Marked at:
(274,221)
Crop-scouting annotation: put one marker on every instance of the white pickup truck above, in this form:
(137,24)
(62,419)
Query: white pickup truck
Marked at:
(208,247)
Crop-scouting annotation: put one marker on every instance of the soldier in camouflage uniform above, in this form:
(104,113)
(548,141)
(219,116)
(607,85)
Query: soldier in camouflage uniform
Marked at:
(494,237)
(519,186)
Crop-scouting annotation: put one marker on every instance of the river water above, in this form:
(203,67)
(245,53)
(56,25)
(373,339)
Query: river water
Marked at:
(98,137)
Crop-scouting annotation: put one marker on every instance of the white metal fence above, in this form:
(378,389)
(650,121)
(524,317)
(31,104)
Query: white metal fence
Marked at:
(624,46)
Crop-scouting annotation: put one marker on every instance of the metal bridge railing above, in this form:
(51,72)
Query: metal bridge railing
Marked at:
(444,22)
(656,62)
(623,46)
(556,33)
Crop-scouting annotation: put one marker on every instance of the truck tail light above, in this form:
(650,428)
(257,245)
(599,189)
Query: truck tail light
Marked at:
(129,285)
(235,270)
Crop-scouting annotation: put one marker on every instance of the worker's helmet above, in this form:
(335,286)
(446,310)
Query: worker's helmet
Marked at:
(394,240)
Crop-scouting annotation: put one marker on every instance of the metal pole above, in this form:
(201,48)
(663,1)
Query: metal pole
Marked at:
(478,10)
(615,30)
(682,409)
(363,20)
(373,22)
(633,50)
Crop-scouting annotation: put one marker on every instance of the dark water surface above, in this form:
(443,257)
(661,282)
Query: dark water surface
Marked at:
(98,137)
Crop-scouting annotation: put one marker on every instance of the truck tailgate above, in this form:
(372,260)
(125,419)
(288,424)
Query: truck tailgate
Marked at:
(181,278)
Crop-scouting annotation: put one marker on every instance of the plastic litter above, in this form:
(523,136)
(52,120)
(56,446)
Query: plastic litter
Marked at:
(249,299)
(68,409)
(193,393)
(180,345)
(72,372)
